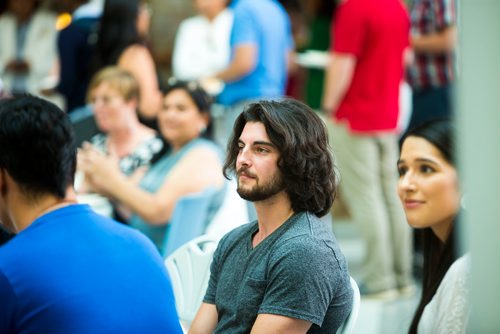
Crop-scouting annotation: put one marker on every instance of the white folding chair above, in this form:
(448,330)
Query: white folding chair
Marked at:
(189,270)
(349,323)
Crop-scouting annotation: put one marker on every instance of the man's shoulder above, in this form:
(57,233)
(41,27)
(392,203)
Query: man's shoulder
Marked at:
(194,22)
(255,7)
(305,226)
(307,234)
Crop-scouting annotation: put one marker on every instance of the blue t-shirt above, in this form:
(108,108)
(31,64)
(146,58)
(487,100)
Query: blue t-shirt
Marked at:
(265,24)
(74,271)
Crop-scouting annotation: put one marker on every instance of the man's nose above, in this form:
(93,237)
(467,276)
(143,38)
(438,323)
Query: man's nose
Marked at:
(244,158)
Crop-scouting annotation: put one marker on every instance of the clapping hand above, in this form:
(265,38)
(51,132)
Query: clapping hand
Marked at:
(101,171)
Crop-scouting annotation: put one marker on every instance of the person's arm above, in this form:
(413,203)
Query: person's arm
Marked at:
(156,208)
(205,320)
(138,61)
(182,63)
(438,42)
(339,73)
(271,323)
(43,38)
(243,62)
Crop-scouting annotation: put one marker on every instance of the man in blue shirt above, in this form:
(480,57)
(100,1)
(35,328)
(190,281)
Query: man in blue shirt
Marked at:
(68,269)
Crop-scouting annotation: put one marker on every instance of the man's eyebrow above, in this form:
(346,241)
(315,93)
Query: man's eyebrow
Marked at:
(258,142)
(265,143)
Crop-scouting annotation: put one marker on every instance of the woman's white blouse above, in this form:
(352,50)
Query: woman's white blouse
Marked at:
(448,311)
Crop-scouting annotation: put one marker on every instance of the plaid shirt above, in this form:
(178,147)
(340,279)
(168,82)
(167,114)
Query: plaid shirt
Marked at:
(431,70)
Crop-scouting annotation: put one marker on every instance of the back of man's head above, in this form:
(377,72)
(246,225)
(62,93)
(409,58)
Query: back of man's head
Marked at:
(305,162)
(37,146)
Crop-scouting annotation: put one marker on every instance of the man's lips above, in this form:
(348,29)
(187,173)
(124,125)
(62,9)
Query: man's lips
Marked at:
(245,174)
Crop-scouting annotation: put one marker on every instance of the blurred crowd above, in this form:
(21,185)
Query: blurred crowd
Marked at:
(162,115)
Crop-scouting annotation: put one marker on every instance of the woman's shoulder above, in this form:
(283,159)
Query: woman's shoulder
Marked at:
(456,278)
(460,269)
(203,146)
(448,311)
(133,52)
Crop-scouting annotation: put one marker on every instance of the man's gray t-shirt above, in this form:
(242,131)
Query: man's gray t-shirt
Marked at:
(298,271)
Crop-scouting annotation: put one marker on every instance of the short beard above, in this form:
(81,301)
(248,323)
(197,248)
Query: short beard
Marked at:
(261,193)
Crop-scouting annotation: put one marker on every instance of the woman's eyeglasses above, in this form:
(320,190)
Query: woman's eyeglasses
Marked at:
(105,99)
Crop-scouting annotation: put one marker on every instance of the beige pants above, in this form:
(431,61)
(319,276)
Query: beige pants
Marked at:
(368,177)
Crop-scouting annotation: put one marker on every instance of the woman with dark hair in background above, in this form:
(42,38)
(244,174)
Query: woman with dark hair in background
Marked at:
(120,42)
(189,164)
(430,193)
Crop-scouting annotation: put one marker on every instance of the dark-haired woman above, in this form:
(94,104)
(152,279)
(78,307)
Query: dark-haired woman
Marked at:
(123,25)
(190,164)
(430,193)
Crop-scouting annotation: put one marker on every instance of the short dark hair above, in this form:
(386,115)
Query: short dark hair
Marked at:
(305,162)
(37,146)
(198,95)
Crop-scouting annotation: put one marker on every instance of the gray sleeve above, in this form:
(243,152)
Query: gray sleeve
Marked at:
(301,281)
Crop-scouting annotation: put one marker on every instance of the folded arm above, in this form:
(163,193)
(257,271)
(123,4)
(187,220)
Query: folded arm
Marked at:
(243,62)
(439,42)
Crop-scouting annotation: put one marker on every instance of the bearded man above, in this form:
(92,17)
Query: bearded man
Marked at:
(283,273)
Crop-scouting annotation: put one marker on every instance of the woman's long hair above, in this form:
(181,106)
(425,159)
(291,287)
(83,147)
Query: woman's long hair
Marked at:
(438,255)
(117,31)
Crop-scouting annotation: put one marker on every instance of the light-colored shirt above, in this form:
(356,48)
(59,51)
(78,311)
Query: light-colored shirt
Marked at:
(448,311)
(201,46)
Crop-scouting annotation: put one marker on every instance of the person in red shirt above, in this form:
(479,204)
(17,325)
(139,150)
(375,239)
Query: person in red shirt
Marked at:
(361,93)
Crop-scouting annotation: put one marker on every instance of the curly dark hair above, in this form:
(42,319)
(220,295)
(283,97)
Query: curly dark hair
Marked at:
(305,161)
(37,146)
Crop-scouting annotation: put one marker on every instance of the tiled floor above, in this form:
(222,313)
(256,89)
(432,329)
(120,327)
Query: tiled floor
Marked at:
(375,316)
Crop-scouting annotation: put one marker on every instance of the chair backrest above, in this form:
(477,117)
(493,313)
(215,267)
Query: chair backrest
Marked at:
(189,270)
(232,213)
(349,323)
(83,123)
(189,219)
